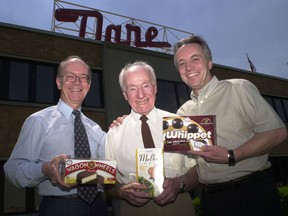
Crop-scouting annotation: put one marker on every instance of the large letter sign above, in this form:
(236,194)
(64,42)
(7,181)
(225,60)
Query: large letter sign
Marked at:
(72,15)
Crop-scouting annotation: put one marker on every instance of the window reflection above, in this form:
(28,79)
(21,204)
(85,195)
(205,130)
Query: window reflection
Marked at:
(94,97)
(183,93)
(171,95)
(44,89)
(18,82)
(280,109)
(280,105)
(34,82)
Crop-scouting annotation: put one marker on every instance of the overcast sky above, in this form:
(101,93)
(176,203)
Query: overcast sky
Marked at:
(231,27)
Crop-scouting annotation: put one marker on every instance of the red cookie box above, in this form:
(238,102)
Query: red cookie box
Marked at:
(87,171)
(186,133)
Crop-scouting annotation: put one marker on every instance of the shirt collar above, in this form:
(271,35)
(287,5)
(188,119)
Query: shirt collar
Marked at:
(65,109)
(150,116)
(206,89)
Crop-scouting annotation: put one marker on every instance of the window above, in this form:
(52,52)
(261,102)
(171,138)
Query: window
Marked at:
(95,96)
(44,78)
(285,103)
(280,109)
(171,95)
(183,93)
(269,100)
(18,82)
(35,82)
(280,105)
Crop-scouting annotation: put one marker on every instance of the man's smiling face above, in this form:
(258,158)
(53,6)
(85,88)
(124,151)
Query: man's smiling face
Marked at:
(140,91)
(73,92)
(193,66)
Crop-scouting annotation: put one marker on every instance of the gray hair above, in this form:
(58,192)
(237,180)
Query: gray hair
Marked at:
(141,64)
(190,40)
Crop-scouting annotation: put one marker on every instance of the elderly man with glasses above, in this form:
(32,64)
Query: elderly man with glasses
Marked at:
(47,137)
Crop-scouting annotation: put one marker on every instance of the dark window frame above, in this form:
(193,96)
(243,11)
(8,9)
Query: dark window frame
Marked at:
(5,68)
(272,101)
(161,101)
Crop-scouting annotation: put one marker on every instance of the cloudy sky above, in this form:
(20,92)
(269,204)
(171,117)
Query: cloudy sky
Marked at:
(231,27)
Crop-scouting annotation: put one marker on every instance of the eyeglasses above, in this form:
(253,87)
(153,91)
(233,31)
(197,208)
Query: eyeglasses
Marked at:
(72,78)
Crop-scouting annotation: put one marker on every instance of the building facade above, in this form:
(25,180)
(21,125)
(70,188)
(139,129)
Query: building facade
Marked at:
(28,66)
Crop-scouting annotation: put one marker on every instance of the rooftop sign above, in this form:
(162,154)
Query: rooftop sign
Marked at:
(72,15)
(86,22)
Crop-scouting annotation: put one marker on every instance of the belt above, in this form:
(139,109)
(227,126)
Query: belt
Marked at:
(212,188)
(70,196)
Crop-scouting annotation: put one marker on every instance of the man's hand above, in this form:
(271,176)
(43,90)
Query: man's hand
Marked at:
(134,194)
(51,169)
(213,154)
(118,121)
(259,144)
(171,190)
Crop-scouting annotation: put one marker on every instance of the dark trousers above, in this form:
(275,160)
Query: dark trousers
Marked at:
(51,206)
(251,197)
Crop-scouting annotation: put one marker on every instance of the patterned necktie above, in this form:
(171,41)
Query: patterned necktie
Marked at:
(82,150)
(146,133)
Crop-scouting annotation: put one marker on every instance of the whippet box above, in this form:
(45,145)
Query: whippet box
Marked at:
(150,169)
(87,171)
(186,133)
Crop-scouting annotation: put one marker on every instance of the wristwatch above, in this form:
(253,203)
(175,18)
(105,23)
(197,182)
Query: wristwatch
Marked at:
(182,186)
(231,158)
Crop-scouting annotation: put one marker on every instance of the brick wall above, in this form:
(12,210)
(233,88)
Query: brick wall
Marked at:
(51,47)
(40,46)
